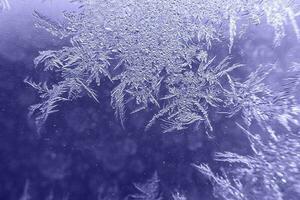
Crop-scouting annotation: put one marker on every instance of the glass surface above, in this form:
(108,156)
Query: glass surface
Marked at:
(170,99)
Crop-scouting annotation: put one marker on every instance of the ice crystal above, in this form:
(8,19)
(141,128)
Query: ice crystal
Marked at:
(223,187)
(4,5)
(161,54)
(272,169)
(254,99)
(191,93)
(148,190)
(25,194)
(178,196)
(158,52)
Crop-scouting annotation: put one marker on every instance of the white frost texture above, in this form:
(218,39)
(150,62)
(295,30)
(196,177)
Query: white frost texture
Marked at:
(163,56)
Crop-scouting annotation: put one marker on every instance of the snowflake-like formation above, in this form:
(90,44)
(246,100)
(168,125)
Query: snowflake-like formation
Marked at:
(161,54)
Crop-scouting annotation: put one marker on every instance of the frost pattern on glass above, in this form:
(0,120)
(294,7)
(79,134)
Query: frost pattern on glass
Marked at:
(222,186)
(148,190)
(272,169)
(160,55)
(178,196)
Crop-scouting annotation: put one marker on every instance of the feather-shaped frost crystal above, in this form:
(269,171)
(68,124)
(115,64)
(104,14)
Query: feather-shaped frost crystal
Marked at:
(147,47)
(176,57)
(148,190)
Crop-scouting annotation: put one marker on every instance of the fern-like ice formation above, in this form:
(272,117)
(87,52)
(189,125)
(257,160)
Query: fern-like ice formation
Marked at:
(148,190)
(271,173)
(160,53)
